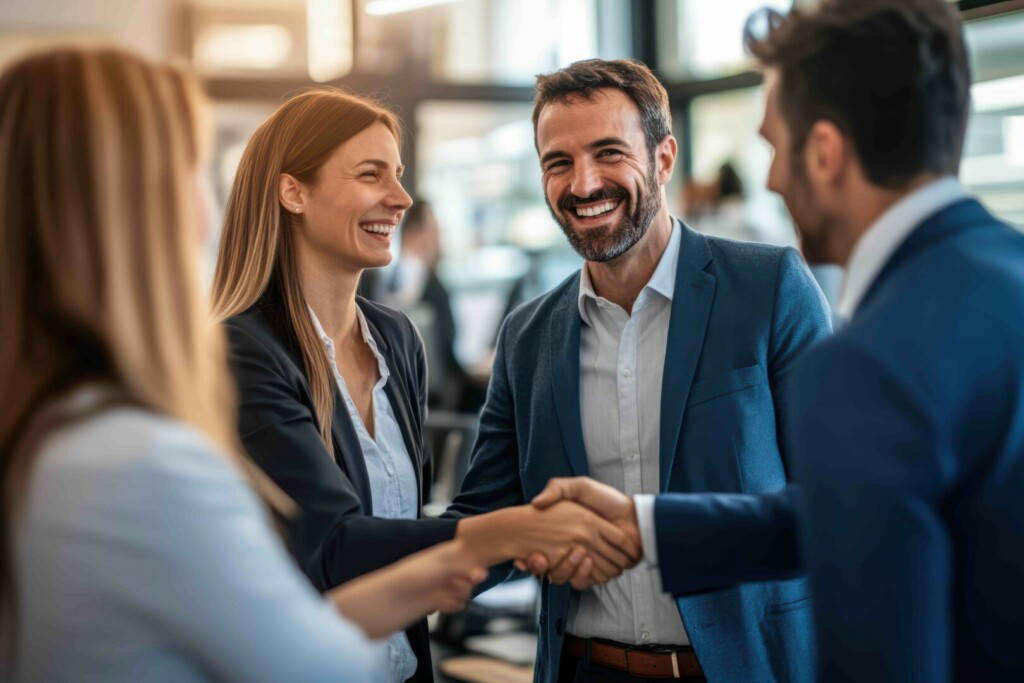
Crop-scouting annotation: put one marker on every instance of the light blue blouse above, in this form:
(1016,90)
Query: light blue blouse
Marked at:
(143,555)
(389,467)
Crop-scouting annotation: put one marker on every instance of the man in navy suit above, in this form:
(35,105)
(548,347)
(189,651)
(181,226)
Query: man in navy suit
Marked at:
(583,384)
(908,425)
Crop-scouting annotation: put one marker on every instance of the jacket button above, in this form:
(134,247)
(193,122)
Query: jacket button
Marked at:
(560,626)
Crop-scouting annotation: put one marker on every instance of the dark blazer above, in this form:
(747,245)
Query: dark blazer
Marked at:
(335,538)
(909,453)
(741,315)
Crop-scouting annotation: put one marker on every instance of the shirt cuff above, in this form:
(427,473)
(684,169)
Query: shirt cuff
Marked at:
(644,504)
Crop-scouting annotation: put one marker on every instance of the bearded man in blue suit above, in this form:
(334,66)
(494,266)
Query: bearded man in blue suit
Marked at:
(908,424)
(662,365)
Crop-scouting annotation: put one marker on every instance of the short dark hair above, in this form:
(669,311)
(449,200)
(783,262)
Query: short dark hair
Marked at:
(893,75)
(630,76)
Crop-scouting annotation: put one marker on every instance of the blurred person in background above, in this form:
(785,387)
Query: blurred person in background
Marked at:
(136,542)
(414,283)
(332,386)
(719,208)
(662,365)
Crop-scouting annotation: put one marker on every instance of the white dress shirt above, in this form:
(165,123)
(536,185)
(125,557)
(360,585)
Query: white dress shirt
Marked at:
(389,468)
(142,554)
(887,233)
(622,357)
(870,254)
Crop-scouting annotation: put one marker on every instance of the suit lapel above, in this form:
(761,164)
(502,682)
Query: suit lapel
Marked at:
(565,375)
(962,215)
(691,308)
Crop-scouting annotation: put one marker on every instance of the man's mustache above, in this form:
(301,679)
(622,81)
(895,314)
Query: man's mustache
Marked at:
(572,201)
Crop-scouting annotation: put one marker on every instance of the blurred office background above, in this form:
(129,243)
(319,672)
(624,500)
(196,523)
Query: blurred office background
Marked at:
(459,74)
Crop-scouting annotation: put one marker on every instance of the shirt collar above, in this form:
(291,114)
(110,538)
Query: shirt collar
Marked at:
(887,233)
(663,280)
(364,328)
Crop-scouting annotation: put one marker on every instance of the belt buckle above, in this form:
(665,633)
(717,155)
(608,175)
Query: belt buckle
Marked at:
(673,655)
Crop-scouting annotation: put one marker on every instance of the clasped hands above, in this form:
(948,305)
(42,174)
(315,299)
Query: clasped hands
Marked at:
(576,530)
(588,562)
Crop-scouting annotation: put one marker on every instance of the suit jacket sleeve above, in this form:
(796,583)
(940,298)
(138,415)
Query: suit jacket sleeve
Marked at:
(332,539)
(492,481)
(719,540)
(800,319)
(875,469)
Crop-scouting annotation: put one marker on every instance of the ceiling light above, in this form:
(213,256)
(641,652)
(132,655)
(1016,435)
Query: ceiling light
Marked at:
(329,39)
(242,46)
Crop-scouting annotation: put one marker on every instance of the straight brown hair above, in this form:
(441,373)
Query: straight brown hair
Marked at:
(257,260)
(99,151)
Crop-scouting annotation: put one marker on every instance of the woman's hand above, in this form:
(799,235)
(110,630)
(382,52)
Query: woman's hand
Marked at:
(389,599)
(606,501)
(554,532)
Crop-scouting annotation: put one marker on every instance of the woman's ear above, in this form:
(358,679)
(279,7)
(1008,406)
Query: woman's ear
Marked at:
(291,194)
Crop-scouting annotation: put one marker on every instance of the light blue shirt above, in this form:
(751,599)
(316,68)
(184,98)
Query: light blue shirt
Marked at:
(622,358)
(389,467)
(143,555)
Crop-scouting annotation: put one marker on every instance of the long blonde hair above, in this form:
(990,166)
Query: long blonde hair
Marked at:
(257,260)
(99,150)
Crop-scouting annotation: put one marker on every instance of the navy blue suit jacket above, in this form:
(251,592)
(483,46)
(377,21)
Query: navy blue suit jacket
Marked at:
(909,458)
(741,314)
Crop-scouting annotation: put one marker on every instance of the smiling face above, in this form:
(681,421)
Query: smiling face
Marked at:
(600,183)
(351,209)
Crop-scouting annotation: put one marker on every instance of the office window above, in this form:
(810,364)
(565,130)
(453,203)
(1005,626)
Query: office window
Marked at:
(510,41)
(477,166)
(725,129)
(993,165)
(700,39)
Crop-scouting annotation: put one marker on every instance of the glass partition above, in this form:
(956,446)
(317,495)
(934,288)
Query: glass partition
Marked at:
(477,165)
(510,41)
(699,39)
(993,165)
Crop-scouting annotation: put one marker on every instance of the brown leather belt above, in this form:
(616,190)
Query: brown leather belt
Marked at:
(667,662)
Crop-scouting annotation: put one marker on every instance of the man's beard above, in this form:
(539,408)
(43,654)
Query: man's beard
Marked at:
(813,227)
(608,243)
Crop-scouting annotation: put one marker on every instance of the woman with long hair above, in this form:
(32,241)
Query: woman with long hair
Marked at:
(135,542)
(332,386)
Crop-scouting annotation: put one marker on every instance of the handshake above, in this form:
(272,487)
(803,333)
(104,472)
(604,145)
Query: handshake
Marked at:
(576,531)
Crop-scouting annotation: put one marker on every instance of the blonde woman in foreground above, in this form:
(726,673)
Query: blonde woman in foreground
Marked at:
(136,543)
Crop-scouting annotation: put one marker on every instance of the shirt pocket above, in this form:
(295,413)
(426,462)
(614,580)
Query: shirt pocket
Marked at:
(724,384)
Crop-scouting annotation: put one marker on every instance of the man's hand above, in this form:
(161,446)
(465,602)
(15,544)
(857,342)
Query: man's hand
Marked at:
(552,532)
(611,504)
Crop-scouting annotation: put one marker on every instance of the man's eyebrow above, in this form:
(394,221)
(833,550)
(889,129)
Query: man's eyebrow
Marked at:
(552,155)
(596,144)
(608,142)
